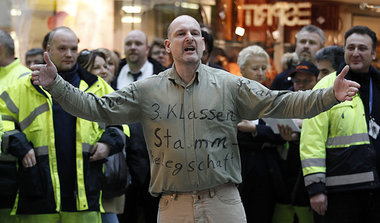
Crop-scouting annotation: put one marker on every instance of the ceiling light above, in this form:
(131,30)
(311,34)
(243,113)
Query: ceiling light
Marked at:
(130,19)
(131,9)
(15,12)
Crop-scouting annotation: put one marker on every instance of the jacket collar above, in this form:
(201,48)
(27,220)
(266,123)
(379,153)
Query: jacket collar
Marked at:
(84,75)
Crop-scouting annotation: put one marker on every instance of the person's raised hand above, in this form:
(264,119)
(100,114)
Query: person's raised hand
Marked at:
(287,133)
(44,74)
(345,89)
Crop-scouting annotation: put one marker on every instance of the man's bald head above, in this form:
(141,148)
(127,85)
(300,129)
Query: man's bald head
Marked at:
(62,46)
(181,19)
(137,32)
(136,49)
(59,30)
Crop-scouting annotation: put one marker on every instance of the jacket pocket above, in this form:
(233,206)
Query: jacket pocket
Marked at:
(93,177)
(8,179)
(32,181)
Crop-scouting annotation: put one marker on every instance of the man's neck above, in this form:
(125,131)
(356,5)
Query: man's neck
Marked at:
(136,67)
(186,71)
(6,61)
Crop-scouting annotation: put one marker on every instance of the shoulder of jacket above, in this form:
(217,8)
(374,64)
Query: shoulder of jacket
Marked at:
(327,81)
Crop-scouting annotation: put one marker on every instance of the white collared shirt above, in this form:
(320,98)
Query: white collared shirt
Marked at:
(124,79)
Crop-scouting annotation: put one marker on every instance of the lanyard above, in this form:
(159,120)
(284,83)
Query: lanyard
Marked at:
(370,96)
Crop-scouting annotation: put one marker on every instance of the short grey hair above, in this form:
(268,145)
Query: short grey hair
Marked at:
(313,29)
(251,51)
(7,42)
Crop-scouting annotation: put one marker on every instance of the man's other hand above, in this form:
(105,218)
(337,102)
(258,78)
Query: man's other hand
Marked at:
(29,159)
(99,151)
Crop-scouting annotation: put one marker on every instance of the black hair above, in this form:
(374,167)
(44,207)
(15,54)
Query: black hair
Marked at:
(363,30)
(34,51)
(209,40)
(333,54)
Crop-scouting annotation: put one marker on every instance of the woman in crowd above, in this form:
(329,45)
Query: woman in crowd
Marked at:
(157,51)
(112,61)
(98,63)
(257,144)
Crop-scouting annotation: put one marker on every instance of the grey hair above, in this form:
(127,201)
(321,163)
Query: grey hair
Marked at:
(7,42)
(313,29)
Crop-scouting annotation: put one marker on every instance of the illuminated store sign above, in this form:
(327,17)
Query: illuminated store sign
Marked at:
(287,14)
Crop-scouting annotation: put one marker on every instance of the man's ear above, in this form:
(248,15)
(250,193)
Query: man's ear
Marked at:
(167,46)
(147,50)
(47,47)
(204,43)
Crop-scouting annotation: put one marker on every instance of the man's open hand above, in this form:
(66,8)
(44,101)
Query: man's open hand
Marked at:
(345,89)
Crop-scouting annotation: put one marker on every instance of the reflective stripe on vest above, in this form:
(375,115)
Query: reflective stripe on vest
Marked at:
(6,136)
(44,150)
(350,179)
(7,157)
(345,140)
(339,180)
(314,178)
(320,162)
(33,115)
(24,74)
(41,151)
(8,101)
(8,118)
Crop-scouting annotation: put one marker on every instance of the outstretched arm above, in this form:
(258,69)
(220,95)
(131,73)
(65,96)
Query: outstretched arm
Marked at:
(113,108)
(344,89)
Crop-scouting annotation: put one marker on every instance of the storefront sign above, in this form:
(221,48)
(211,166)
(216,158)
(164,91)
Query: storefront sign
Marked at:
(288,14)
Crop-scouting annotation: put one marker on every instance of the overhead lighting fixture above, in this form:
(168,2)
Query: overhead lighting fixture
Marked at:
(130,19)
(187,5)
(16,12)
(131,9)
(239,31)
(364,6)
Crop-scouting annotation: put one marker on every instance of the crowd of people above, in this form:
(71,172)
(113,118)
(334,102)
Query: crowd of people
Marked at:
(166,135)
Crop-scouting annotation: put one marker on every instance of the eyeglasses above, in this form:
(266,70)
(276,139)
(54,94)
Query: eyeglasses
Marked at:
(85,52)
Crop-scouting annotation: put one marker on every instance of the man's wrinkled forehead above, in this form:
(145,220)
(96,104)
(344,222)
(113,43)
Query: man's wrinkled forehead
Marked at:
(136,36)
(360,41)
(63,33)
(182,21)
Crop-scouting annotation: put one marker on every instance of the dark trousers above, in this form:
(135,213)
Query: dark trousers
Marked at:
(140,206)
(353,207)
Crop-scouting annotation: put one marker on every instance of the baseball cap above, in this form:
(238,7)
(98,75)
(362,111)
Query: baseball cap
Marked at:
(305,67)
